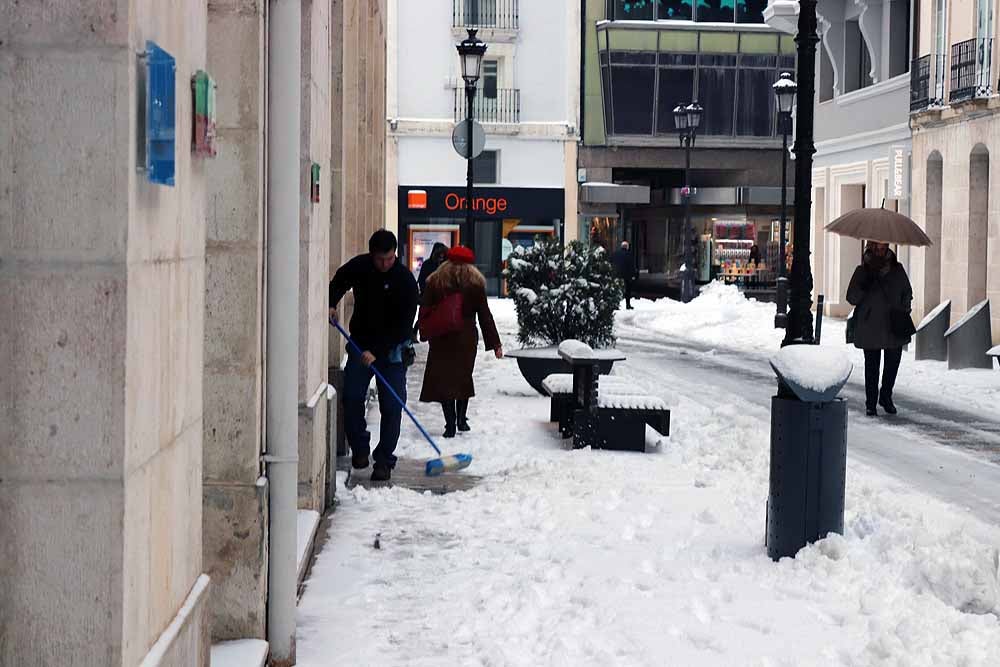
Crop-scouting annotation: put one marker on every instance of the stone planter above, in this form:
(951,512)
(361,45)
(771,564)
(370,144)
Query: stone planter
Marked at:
(538,363)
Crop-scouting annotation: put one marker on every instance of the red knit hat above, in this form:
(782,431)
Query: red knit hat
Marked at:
(461,255)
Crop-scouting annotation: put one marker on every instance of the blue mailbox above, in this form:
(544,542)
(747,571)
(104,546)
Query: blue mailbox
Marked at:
(161,114)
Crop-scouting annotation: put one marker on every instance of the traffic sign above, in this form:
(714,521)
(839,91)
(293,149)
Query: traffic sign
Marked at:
(460,139)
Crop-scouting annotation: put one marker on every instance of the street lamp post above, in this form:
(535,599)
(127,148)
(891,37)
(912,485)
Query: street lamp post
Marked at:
(471,51)
(799,327)
(687,119)
(784,90)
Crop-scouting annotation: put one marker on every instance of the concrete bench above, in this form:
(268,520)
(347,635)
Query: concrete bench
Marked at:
(615,420)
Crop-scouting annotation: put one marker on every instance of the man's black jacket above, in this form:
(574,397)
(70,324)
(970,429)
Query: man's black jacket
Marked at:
(385,304)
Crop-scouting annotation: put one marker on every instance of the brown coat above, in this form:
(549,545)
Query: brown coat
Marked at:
(452,357)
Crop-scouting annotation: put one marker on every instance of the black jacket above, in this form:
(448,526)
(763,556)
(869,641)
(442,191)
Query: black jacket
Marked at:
(385,304)
(429,266)
(624,263)
(876,287)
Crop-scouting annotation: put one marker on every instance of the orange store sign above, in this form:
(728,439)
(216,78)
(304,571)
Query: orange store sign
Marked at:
(492,205)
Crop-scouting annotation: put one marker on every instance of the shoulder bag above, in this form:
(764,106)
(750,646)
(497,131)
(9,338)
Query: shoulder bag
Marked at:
(442,318)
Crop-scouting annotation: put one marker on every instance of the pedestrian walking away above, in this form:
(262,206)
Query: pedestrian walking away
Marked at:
(459,286)
(385,304)
(881,294)
(623,260)
(429,266)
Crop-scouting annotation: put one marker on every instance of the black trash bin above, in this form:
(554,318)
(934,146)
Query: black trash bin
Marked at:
(808,472)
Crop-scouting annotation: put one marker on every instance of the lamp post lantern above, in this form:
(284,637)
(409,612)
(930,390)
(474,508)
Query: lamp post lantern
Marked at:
(784,91)
(471,51)
(687,119)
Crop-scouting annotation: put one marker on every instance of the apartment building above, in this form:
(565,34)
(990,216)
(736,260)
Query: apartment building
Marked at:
(955,118)
(642,59)
(527,100)
(861,128)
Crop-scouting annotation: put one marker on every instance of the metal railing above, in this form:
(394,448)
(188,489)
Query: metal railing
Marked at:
(502,106)
(927,75)
(970,69)
(498,14)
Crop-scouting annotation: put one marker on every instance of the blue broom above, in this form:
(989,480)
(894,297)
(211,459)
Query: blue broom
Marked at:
(436,466)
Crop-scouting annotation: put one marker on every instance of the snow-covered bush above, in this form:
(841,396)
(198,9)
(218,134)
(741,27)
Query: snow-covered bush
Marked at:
(561,295)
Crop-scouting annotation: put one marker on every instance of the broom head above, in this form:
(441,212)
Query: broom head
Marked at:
(447,464)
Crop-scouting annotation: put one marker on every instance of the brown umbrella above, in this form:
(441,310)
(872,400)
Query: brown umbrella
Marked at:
(878,224)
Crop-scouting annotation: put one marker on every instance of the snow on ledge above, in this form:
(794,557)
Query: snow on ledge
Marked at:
(307,522)
(575,348)
(931,316)
(993,351)
(813,367)
(968,316)
(240,653)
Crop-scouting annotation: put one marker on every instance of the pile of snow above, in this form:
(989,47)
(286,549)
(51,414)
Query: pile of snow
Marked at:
(575,348)
(630,402)
(814,367)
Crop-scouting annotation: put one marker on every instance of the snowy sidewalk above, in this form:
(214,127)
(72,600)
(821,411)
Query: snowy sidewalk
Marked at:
(562,557)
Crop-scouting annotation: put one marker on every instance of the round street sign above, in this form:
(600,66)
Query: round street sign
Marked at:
(460,137)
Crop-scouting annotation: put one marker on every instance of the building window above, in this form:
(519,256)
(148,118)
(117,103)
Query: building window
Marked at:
(857,60)
(755,115)
(707,11)
(486,168)
(716,11)
(633,75)
(674,10)
(491,69)
(632,10)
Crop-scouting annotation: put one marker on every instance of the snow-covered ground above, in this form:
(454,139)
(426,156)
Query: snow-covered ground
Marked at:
(721,316)
(562,557)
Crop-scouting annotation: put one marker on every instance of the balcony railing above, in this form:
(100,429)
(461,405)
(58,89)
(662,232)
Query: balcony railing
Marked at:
(927,82)
(970,69)
(501,106)
(497,14)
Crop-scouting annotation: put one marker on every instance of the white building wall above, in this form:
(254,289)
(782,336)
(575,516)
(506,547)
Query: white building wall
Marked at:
(523,163)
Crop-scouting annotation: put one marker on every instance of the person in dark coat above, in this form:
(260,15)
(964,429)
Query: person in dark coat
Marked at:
(385,304)
(879,284)
(624,262)
(431,265)
(452,356)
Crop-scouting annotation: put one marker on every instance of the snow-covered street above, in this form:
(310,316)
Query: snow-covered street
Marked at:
(562,557)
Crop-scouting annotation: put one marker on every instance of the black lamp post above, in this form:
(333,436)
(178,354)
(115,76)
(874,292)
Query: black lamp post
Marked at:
(471,51)
(784,90)
(799,327)
(687,119)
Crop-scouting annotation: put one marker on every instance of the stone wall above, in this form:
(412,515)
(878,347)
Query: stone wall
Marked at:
(101,329)
(968,257)
(314,244)
(235,508)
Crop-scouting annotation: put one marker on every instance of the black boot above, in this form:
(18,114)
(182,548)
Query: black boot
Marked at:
(463,408)
(885,400)
(448,407)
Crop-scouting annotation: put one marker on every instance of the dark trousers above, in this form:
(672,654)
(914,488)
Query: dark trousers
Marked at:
(628,293)
(357,379)
(872,360)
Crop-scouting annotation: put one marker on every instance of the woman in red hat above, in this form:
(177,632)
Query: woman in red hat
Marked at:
(458,286)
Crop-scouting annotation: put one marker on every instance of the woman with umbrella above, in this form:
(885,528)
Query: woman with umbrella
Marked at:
(881,294)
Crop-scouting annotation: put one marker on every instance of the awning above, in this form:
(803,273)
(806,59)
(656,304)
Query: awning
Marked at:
(614,193)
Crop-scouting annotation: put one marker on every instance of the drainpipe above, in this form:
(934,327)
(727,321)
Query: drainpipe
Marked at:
(284,74)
